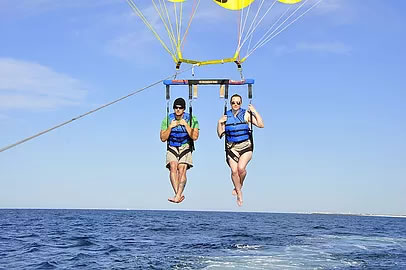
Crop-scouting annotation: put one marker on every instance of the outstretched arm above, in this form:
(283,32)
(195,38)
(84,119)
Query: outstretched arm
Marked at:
(256,117)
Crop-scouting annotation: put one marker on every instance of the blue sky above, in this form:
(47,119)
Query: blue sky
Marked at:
(331,90)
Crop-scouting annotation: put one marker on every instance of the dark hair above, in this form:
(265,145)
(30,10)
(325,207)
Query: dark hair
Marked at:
(236,95)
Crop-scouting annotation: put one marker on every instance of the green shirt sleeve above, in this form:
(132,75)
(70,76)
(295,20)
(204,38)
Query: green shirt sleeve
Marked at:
(164,124)
(195,123)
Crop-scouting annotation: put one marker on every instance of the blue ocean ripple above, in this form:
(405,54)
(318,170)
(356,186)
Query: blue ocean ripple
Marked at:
(107,239)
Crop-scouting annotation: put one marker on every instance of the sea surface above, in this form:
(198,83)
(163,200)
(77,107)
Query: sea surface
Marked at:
(113,239)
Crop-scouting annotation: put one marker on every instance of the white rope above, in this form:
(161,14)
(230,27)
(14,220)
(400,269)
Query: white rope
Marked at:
(250,34)
(272,36)
(89,112)
(266,35)
(252,24)
(243,27)
(240,28)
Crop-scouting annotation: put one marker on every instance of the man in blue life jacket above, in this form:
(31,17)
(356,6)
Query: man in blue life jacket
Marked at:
(179,131)
(239,147)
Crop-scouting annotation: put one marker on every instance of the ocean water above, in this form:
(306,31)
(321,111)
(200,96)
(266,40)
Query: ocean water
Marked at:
(109,239)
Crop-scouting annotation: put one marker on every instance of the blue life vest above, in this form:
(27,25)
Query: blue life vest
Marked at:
(178,134)
(237,130)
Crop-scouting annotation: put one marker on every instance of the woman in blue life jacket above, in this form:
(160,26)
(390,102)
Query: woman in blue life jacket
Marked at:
(179,134)
(239,148)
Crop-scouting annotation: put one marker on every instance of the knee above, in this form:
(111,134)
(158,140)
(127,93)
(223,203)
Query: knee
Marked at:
(234,172)
(241,170)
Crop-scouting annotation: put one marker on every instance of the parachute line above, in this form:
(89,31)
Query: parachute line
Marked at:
(243,27)
(141,15)
(253,23)
(160,12)
(250,34)
(272,36)
(171,32)
(264,36)
(196,5)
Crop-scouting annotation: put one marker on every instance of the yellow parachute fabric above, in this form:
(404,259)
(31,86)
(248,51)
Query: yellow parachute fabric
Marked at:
(289,1)
(234,4)
(176,1)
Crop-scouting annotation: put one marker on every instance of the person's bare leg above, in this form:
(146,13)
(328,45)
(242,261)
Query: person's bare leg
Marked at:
(182,183)
(236,180)
(173,175)
(242,165)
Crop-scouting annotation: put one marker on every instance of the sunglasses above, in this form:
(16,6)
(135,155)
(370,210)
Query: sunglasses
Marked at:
(235,102)
(178,108)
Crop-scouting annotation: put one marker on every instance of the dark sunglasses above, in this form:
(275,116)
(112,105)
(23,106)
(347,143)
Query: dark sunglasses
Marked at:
(178,108)
(235,102)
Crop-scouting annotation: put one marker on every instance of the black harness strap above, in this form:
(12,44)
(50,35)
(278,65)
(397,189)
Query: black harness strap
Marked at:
(191,142)
(231,154)
(181,154)
(251,132)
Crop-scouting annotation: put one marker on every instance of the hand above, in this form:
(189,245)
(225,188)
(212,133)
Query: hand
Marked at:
(223,119)
(183,122)
(173,124)
(251,108)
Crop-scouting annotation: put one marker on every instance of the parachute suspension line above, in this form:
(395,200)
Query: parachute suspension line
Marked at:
(251,31)
(264,36)
(172,32)
(239,37)
(270,37)
(267,35)
(141,15)
(243,27)
(240,32)
(160,12)
(250,36)
(89,112)
(195,6)
(178,22)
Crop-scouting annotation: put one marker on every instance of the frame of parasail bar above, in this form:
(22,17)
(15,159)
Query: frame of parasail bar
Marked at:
(224,85)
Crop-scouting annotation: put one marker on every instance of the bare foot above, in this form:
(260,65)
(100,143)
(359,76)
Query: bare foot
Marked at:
(234,192)
(174,200)
(239,198)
